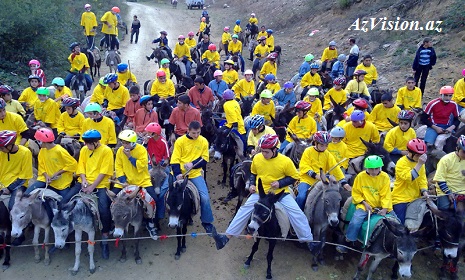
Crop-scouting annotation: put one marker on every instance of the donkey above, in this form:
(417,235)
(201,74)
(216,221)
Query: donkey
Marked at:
(97,61)
(265,223)
(79,86)
(282,120)
(296,151)
(5,234)
(164,112)
(322,210)
(225,147)
(77,216)
(334,115)
(181,201)
(246,106)
(239,181)
(126,209)
(112,59)
(91,59)
(208,129)
(30,209)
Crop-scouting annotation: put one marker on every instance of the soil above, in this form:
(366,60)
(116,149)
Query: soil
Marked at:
(202,260)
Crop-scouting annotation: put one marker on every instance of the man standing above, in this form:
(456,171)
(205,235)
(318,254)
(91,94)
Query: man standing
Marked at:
(425,59)
(183,115)
(135,26)
(110,21)
(89,23)
(353,58)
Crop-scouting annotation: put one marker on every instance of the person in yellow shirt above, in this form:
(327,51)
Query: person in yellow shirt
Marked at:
(411,180)
(46,110)
(358,86)
(261,52)
(314,160)
(61,90)
(265,106)
(191,153)
(459,92)
(89,24)
(95,168)
(212,57)
(398,137)
(162,87)
(382,113)
(337,147)
(270,66)
(104,125)
(409,96)
(28,96)
(13,122)
(271,172)
(234,120)
(235,49)
(70,122)
(358,129)
(338,94)
(253,19)
(316,111)
(271,83)
(225,39)
(310,79)
(116,94)
(190,41)
(132,168)
(230,75)
(372,75)
(56,166)
(371,190)
(449,177)
(165,66)
(182,53)
(79,64)
(262,33)
(245,87)
(125,76)
(237,28)
(15,165)
(302,126)
(109,27)
(257,130)
(202,27)
(358,104)
(98,96)
(329,56)
(270,39)
(11,105)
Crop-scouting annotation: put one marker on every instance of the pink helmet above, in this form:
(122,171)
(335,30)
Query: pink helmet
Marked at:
(218,73)
(34,61)
(191,33)
(463,72)
(181,37)
(153,127)
(87,6)
(417,146)
(303,105)
(44,135)
(226,29)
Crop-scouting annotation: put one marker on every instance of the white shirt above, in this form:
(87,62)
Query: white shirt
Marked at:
(354,50)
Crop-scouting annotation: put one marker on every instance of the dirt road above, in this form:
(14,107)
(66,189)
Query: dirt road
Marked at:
(202,260)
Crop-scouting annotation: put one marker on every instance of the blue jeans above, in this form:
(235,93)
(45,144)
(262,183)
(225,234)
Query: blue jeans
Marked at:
(70,76)
(206,215)
(395,157)
(443,203)
(256,65)
(160,199)
(90,41)
(431,134)
(303,188)
(283,146)
(400,209)
(13,192)
(356,223)
(188,68)
(242,63)
(40,184)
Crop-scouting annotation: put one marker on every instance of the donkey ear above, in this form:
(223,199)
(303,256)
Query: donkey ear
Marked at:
(393,123)
(111,195)
(323,177)
(68,207)
(19,195)
(261,191)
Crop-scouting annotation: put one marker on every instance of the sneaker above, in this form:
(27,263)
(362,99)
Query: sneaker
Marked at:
(152,231)
(18,241)
(220,239)
(130,42)
(229,197)
(148,58)
(342,249)
(208,228)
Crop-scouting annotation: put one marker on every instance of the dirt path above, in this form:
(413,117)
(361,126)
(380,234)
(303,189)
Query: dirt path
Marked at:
(202,260)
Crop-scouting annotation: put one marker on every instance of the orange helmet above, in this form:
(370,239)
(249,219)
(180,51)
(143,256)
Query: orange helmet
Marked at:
(153,127)
(446,90)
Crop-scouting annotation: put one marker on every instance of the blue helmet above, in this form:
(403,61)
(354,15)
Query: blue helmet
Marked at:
(110,78)
(91,135)
(73,45)
(122,67)
(314,66)
(238,21)
(269,77)
(270,31)
(144,99)
(256,121)
(357,115)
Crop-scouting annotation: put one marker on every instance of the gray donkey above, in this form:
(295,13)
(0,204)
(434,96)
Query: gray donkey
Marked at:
(75,215)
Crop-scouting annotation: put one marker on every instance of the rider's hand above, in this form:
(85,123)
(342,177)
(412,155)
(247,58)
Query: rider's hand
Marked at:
(449,129)
(188,165)
(127,152)
(422,159)
(382,212)
(275,185)
(252,189)
(317,176)
(347,187)
(48,179)
(367,206)
(179,177)
(451,197)
(404,153)
(438,129)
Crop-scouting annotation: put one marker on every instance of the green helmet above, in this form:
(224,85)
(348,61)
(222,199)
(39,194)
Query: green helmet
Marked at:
(58,81)
(373,162)
(164,61)
(313,91)
(266,93)
(309,57)
(43,91)
(235,36)
(102,81)
(93,107)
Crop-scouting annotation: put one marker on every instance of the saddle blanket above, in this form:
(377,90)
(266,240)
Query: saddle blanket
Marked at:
(149,202)
(193,192)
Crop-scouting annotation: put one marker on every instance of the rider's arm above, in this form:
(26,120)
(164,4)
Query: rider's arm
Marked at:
(252,179)
(286,181)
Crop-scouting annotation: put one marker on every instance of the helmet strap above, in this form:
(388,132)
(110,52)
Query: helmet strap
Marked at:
(261,128)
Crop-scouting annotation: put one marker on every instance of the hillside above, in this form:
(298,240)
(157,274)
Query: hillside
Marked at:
(393,51)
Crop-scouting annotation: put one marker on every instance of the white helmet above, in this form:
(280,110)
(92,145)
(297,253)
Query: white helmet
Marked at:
(87,6)
(337,131)
(248,72)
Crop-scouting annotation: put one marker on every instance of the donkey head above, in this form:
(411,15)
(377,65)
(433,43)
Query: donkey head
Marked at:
(122,210)
(175,201)
(61,223)
(21,214)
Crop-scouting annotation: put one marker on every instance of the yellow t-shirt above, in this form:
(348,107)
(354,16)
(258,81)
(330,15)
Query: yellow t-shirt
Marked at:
(191,43)
(396,138)
(235,47)
(358,87)
(244,88)
(311,80)
(371,75)
(124,77)
(106,127)
(411,98)
(187,150)
(272,170)
(226,38)
(65,92)
(312,160)
(339,151)
(212,57)
(355,146)
(450,171)
(163,90)
(78,62)
(101,163)
(380,114)
(339,96)
(237,29)
(53,160)
(117,98)
(267,111)
(459,92)
(15,166)
(262,50)
(14,122)
(48,112)
(273,87)
(98,95)
(329,54)
(29,96)
(376,191)
(252,139)
(230,76)
(70,125)
(232,111)
(268,68)
(89,21)
(302,128)
(110,18)
(181,51)
(136,175)
(405,188)
(315,109)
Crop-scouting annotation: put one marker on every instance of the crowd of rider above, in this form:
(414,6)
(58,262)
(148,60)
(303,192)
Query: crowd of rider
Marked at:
(115,109)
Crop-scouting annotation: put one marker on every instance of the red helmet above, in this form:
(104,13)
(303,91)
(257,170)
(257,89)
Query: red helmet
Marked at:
(446,90)
(161,73)
(272,55)
(406,115)
(35,62)
(268,141)
(418,146)
(116,10)
(339,81)
(461,142)
(212,47)
(44,135)
(7,137)
(153,127)
(322,137)
(303,105)
(360,72)
(4,89)
(360,103)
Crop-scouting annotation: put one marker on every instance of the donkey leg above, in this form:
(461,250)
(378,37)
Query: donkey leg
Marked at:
(46,239)
(373,266)
(123,257)
(361,265)
(224,164)
(395,267)
(254,249)
(137,257)
(178,249)
(269,257)
(183,241)
(77,251)
(90,249)
(35,241)
(6,262)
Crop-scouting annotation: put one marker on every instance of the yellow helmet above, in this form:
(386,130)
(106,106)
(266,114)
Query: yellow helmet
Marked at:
(128,135)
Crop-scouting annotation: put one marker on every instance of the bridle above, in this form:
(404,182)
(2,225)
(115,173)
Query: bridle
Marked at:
(270,210)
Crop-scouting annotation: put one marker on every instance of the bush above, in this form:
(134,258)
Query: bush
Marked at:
(344,4)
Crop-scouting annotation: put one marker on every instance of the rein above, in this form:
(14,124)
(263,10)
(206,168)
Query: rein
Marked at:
(254,216)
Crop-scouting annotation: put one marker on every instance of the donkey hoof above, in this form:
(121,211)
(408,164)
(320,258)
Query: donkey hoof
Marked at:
(183,250)
(5,266)
(269,276)
(321,262)
(37,259)
(92,270)
(47,261)
(314,267)
(122,260)
(246,266)
(74,272)
(138,260)
(177,257)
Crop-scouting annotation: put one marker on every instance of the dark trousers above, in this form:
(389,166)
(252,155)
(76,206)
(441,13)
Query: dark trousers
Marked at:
(110,40)
(421,75)
(90,41)
(135,31)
